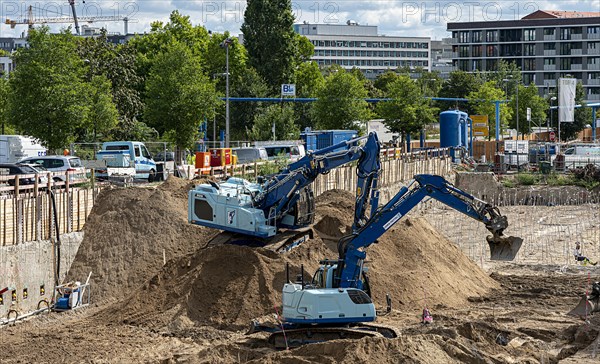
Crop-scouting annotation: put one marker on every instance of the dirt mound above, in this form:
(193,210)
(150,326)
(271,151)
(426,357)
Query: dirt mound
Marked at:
(131,232)
(222,286)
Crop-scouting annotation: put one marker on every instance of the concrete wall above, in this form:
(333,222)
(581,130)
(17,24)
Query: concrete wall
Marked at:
(29,266)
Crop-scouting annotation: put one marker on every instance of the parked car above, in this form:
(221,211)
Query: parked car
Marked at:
(11,169)
(58,163)
(250,155)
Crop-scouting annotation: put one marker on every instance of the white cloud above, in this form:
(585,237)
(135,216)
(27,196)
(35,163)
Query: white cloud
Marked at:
(393,17)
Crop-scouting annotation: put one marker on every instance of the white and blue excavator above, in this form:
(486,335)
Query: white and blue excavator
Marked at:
(282,207)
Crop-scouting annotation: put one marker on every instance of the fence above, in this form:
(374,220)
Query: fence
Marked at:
(26,212)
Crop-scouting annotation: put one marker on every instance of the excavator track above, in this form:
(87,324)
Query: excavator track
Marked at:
(280,243)
(294,338)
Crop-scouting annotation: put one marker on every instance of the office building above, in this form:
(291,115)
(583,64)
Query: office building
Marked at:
(360,46)
(546,45)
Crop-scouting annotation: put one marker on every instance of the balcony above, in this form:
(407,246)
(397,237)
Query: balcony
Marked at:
(454,55)
(576,67)
(593,81)
(593,67)
(593,97)
(593,51)
(576,52)
(593,36)
(576,36)
(549,67)
(549,52)
(550,83)
(550,37)
(452,41)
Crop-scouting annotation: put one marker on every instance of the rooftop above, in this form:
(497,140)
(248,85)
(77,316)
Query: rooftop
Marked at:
(561,14)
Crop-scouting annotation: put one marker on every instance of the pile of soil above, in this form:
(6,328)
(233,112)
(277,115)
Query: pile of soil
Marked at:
(129,234)
(226,286)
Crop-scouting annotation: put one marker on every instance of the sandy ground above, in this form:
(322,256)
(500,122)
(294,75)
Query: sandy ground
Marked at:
(194,308)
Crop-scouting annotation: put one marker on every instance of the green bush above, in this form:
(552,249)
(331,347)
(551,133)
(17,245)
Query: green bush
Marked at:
(509,182)
(526,179)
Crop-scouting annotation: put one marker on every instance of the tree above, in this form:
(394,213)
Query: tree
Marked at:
(340,103)
(103,115)
(383,81)
(118,64)
(49,99)
(459,85)
(583,116)
(482,103)
(408,111)
(243,114)
(528,98)
(270,40)
(178,95)
(4,105)
(309,80)
(283,118)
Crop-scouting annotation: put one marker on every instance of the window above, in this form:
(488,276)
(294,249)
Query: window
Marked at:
(491,36)
(565,48)
(529,50)
(76,162)
(565,34)
(464,51)
(476,36)
(548,31)
(491,51)
(549,46)
(529,65)
(549,61)
(593,60)
(137,151)
(593,45)
(528,78)
(477,65)
(565,63)
(492,65)
(529,34)
(145,153)
(593,30)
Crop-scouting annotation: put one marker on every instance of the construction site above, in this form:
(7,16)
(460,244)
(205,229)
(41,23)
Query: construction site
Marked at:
(162,289)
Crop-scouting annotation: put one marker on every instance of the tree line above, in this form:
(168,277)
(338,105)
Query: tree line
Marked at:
(164,84)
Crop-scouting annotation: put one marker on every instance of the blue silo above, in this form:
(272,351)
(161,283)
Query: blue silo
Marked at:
(453,129)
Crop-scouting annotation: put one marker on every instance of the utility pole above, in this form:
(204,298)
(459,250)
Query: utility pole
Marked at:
(226,44)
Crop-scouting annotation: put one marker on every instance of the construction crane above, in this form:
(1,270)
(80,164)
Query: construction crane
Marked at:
(31,20)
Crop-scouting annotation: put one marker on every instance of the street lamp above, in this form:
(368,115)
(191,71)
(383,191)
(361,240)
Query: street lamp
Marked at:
(225,45)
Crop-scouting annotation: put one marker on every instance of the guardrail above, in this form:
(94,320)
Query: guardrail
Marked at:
(251,170)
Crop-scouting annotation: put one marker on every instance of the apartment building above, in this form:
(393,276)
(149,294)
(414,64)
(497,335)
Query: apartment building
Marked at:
(546,45)
(360,46)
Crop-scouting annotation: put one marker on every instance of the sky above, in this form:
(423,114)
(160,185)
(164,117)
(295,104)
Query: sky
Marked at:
(401,18)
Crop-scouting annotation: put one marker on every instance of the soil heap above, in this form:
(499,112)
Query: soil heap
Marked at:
(225,286)
(129,233)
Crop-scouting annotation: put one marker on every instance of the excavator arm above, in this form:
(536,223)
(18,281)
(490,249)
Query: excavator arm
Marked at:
(351,249)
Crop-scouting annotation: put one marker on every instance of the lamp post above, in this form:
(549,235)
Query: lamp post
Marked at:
(225,45)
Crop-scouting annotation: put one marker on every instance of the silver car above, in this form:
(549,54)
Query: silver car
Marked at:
(61,165)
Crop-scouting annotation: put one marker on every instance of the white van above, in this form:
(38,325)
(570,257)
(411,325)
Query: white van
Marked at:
(132,153)
(580,155)
(14,148)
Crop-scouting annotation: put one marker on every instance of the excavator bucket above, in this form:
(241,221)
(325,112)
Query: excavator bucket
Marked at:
(504,247)
(584,308)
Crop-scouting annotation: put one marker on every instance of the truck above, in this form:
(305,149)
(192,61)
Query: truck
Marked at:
(14,148)
(579,156)
(126,158)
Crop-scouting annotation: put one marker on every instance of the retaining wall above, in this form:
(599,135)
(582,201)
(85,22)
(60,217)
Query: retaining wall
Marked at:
(30,266)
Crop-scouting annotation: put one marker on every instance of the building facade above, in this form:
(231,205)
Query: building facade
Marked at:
(360,46)
(545,45)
